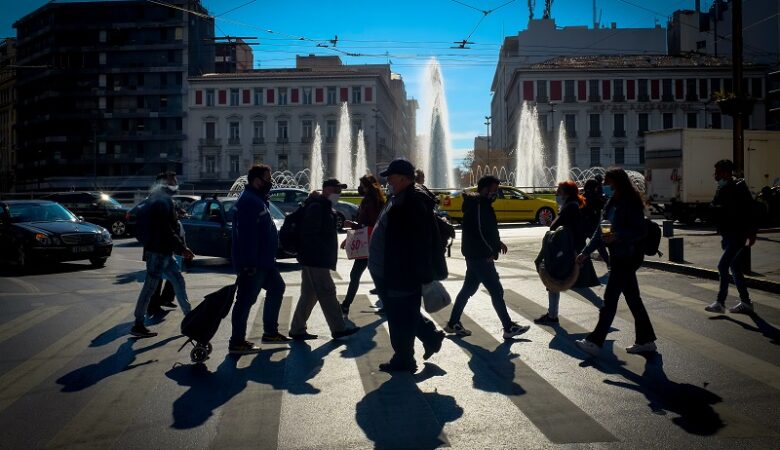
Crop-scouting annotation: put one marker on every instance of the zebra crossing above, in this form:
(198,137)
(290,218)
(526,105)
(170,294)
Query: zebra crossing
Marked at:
(91,386)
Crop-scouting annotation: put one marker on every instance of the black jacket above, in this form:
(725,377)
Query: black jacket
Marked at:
(733,210)
(480,237)
(571,218)
(163,236)
(414,254)
(319,240)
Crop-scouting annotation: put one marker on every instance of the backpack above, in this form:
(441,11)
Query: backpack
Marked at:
(290,233)
(446,233)
(652,239)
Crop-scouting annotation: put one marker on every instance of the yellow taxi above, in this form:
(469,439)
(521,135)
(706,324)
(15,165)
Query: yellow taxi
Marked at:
(512,205)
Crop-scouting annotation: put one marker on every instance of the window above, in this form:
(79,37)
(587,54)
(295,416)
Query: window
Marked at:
(282,96)
(619,129)
(234,132)
(306,130)
(307,96)
(234,97)
(620,155)
(617,88)
(258,94)
(211,130)
(199,210)
(570,124)
(644,120)
(282,162)
(281,131)
(541,90)
(690,90)
(330,131)
(668,120)
(641,155)
(666,90)
(234,165)
(211,164)
(594,91)
(331,95)
(258,136)
(716,121)
(692,120)
(306,161)
(595,156)
(209,97)
(714,86)
(595,128)
(573,156)
(642,95)
(568,91)
(356,97)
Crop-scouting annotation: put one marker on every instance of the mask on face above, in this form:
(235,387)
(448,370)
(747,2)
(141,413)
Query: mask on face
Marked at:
(608,191)
(390,190)
(722,183)
(334,198)
(361,191)
(172,188)
(560,200)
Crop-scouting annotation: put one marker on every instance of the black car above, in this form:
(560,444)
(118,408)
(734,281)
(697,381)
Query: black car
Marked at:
(289,199)
(40,231)
(94,207)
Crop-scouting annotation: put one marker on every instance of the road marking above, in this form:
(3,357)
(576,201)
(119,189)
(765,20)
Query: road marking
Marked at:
(557,417)
(27,321)
(28,287)
(771,301)
(23,378)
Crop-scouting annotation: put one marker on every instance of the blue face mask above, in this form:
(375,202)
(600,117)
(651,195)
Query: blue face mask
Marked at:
(722,183)
(607,191)
(560,200)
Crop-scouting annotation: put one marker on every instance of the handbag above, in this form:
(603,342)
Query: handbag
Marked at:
(435,297)
(357,243)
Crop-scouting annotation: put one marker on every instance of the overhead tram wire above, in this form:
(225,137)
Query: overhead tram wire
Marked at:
(237,7)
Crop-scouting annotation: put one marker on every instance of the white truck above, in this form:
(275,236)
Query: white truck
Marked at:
(679,167)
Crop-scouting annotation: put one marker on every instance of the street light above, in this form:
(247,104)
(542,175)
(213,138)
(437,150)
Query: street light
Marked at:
(487,125)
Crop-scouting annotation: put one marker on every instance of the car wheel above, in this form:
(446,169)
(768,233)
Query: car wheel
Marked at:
(339,221)
(545,216)
(118,228)
(98,262)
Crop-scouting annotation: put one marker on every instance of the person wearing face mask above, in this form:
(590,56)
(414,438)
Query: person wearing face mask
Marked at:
(318,253)
(255,241)
(161,241)
(481,246)
(733,214)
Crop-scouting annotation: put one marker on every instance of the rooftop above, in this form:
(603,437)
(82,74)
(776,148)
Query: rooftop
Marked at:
(632,62)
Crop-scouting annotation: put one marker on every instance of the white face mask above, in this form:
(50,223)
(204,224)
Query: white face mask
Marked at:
(173,187)
(334,198)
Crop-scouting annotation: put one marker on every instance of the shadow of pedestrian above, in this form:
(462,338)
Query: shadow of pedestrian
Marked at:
(493,370)
(429,371)
(210,390)
(762,326)
(112,334)
(131,277)
(589,295)
(693,404)
(363,342)
(399,415)
(305,364)
(121,361)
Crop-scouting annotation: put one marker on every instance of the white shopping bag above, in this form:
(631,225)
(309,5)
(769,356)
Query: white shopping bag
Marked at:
(435,297)
(357,243)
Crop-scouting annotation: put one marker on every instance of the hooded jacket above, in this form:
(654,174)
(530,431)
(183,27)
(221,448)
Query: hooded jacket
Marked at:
(480,237)
(319,239)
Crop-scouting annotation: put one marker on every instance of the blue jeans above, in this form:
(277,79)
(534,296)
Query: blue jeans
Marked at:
(159,266)
(732,251)
(481,271)
(246,295)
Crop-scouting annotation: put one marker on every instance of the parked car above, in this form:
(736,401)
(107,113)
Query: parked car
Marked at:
(512,205)
(208,226)
(181,202)
(288,199)
(40,231)
(95,207)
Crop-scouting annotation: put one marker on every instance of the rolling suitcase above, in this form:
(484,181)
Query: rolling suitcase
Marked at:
(202,323)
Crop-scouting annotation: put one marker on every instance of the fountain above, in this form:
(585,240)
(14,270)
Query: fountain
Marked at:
(361,163)
(434,156)
(529,169)
(344,169)
(317,164)
(562,163)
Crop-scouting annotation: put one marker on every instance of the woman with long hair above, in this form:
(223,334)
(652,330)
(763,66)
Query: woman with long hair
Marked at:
(373,201)
(570,216)
(622,234)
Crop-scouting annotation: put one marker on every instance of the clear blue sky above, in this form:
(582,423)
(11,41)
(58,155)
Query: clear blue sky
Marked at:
(409,32)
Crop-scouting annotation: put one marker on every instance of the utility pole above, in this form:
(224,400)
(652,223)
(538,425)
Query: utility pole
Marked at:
(487,124)
(94,162)
(736,51)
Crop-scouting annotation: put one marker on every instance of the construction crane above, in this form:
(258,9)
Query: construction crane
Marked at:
(547,8)
(531,7)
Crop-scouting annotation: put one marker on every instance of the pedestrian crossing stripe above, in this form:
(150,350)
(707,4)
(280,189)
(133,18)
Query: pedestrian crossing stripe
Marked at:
(28,320)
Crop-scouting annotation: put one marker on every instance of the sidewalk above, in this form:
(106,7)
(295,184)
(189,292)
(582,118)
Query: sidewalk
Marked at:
(701,251)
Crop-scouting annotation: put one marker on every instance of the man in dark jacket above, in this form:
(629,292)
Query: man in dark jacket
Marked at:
(405,252)
(318,253)
(733,214)
(161,240)
(481,245)
(255,241)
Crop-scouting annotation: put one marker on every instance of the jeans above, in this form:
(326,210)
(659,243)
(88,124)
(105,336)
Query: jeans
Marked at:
(622,279)
(732,251)
(358,267)
(159,266)
(481,270)
(246,295)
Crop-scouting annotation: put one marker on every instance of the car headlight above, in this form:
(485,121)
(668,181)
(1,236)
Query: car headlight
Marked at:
(105,236)
(43,239)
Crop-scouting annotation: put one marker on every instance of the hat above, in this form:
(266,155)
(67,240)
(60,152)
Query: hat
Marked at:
(332,182)
(399,166)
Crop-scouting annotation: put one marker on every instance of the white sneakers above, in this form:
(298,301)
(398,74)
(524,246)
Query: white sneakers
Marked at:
(739,308)
(715,307)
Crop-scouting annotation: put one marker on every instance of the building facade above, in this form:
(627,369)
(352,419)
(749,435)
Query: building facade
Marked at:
(7,114)
(101,104)
(233,56)
(607,103)
(271,115)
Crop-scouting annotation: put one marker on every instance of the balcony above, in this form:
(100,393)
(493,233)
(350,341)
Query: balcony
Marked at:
(234,141)
(569,99)
(618,98)
(643,98)
(258,140)
(282,140)
(210,142)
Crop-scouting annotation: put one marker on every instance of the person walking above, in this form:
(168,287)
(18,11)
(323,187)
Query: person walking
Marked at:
(373,201)
(625,213)
(404,254)
(592,211)
(161,241)
(481,246)
(573,216)
(255,243)
(733,214)
(318,253)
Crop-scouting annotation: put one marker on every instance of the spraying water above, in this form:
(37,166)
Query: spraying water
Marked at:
(562,163)
(344,168)
(434,156)
(361,163)
(317,164)
(529,168)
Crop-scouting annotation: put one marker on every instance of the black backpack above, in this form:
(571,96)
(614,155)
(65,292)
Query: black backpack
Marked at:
(652,239)
(446,233)
(290,233)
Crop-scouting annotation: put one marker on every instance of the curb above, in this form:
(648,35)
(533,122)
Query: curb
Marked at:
(684,269)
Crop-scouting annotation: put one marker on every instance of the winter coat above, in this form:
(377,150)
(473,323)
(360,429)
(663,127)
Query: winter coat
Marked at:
(255,238)
(368,212)
(628,228)
(319,236)
(480,237)
(163,233)
(733,210)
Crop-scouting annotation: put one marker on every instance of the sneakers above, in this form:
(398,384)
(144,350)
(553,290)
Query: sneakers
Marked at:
(546,319)
(433,347)
(139,330)
(742,308)
(303,336)
(275,338)
(715,307)
(345,332)
(457,328)
(243,348)
(588,347)
(515,330)
(648,347)
(395,367)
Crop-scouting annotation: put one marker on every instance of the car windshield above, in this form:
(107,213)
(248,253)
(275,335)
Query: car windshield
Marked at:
(110,202)
(40,212)
(276,213)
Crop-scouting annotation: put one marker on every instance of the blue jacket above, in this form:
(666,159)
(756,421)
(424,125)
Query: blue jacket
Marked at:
(255,239)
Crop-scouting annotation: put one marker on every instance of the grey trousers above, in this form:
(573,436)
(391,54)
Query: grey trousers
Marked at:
(317,285)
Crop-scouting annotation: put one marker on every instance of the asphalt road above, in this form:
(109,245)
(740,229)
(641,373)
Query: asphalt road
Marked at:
(71,377)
